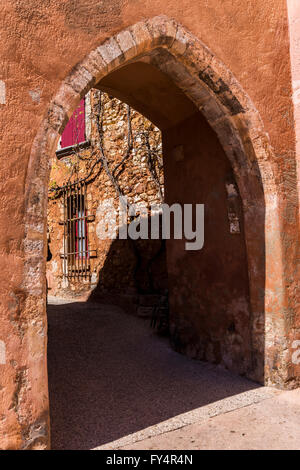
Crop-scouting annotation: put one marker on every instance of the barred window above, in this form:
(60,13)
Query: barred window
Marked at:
(76,251)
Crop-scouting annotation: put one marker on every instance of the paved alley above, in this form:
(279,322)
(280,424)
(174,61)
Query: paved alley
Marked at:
(114,383)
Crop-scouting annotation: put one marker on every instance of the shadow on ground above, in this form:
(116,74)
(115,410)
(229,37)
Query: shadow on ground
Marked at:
(110,375)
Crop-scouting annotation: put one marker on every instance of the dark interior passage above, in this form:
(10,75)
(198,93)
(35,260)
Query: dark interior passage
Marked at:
(210,312)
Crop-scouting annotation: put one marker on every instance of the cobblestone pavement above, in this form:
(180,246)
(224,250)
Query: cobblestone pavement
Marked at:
(114,383)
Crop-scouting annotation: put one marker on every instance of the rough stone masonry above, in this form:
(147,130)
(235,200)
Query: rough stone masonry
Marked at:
(116,268)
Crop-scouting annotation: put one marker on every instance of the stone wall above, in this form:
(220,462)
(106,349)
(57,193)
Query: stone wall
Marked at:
(116,266)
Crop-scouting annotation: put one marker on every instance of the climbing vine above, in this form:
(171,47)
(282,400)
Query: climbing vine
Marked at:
(86,166)
(98,159)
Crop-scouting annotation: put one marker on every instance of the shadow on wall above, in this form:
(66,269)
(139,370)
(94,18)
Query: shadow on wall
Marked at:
(110,375)
(211,316)
(132,268)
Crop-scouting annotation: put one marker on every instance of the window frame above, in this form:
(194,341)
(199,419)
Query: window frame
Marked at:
(68,150)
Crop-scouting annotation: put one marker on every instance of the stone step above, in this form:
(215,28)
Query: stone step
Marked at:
(144,312)
(149,300)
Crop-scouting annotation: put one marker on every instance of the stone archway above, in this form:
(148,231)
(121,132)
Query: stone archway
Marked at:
(233,117)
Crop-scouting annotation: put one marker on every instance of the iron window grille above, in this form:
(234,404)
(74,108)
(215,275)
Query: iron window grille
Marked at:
(76,256)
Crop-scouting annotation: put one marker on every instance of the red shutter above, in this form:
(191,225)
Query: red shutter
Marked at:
(74,132)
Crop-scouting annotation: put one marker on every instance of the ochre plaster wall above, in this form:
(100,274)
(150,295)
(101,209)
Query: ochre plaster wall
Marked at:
(41,43)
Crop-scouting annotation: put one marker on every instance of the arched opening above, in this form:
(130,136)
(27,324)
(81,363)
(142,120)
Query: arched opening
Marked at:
(209,288)
(125,298)
(205,117)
